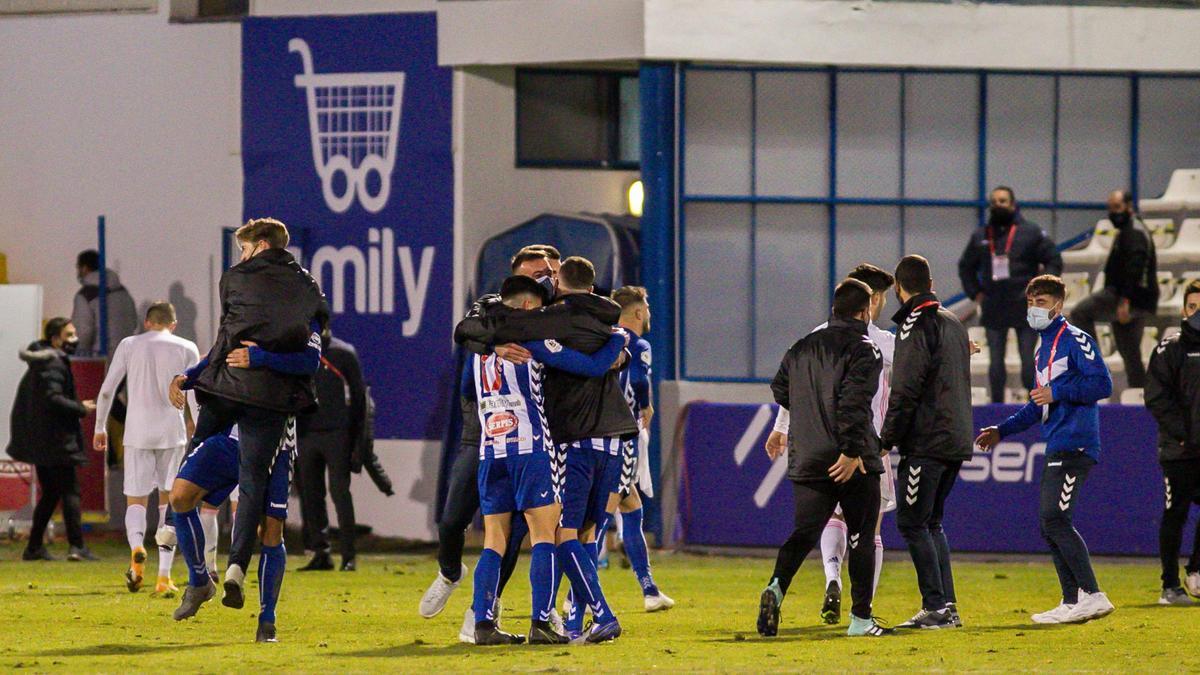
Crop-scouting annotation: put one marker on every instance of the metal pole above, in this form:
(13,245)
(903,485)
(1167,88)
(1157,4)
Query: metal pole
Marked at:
(102,325)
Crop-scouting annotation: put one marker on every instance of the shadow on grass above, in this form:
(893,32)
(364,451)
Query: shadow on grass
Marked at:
(457,649)
(125,649)
(813,634)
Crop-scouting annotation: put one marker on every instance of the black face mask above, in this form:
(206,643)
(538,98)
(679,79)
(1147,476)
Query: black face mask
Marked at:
(1000,217)
(1119,219)
(69,348)
(1193,321)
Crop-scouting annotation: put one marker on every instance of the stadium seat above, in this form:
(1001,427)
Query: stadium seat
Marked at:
(1096,250)
(1167,288)
(979,396)
(1133,396)
(1149,342)
(1077,289)
(1098,284)
(1182,194)
(1186,247)
(1162,230)
(980,361)
(1016,395)
(1108,348)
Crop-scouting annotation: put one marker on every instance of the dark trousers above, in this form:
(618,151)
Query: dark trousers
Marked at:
(922,488)
(997,339)
(1102,307)
(57,483)
(815,503)
(462,503)
(259,434)
(1062,482)
(1182,489)
(321,450)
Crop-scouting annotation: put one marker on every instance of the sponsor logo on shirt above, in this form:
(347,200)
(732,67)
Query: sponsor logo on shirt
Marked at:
(500,424)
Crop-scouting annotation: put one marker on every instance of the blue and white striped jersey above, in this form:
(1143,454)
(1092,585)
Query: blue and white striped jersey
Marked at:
(510,404)
(635,379)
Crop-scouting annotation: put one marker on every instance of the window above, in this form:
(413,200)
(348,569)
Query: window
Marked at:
(578,119)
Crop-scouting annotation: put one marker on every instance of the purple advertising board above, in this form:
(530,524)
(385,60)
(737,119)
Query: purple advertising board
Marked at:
(733,495)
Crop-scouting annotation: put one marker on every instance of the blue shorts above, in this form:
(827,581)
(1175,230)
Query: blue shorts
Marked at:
(214,466)
(516,483)
(591,476)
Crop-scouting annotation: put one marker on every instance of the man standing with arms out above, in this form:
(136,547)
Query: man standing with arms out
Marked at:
(829,378)
(1173,397)
(155,433)
(998,262)
(1130,292)
(1072,378)
(46,434)
(929,420)
(122,314)
(635,383)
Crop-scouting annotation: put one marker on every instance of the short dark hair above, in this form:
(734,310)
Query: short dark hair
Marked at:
(161,313)
(525,255)
(1126,197)
(851,298)
(577,273)
(912,273)
(518,286)
(877,279)
(626,296)
(1012,195)
(89,259)
(1192,287)
(1046,284)
(551,252)
(54,327)
(269,230)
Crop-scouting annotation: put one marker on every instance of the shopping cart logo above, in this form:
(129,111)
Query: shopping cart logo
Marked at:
(354,123)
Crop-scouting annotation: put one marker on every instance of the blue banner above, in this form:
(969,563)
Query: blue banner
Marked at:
(727,479)
(346,139)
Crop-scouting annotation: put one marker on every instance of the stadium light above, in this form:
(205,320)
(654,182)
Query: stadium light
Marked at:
(633,197)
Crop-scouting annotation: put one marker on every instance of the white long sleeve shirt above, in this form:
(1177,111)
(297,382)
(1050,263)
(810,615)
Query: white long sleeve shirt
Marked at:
(148,362)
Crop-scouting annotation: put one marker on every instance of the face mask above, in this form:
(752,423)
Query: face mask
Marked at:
(1118,219)
(1000,217)
(70,346)
(1038,317)
(1193,321)
(547,282)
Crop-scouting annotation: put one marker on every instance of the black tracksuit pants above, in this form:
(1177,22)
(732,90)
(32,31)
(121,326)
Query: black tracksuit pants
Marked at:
(815,503)
(57,483)
(1182,489)
(923,486)
(320,450)
(1062,481)
(462,503)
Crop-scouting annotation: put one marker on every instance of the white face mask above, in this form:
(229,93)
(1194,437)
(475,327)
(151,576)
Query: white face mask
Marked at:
(1038,317)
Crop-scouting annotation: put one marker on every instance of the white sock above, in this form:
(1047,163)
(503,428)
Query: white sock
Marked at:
(166,554)
(135,526)
(833,550)
(878,563)
(208,520)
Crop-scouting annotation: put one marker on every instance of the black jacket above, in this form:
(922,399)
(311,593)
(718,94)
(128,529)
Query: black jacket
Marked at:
(929,408)
(1033,252)
(576,407)
(829,378)
(1132,268)
(46,413)
(1173,394)
(341,393)
(272,301)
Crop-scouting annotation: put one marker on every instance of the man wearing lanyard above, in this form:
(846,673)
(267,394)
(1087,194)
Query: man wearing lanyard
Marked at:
(1000,259)
(1072,379)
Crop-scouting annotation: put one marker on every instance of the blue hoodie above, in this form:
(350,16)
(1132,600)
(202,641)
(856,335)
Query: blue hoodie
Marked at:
(1078,380)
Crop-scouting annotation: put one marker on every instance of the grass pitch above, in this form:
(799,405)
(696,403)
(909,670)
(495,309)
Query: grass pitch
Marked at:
(62,616)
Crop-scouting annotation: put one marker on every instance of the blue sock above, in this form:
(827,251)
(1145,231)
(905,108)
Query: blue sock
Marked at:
(542,570)
(487,579)
(271,564)
(190,534)
(635,548)
(585,583)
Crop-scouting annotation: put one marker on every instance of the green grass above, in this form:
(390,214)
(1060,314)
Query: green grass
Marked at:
(78,617)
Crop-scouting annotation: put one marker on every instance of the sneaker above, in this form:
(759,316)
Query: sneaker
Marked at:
(487,635)
(1090,606)
(320,562)
(349,565)
(658,602)
(234,578)
(438,594)
(543,633)
(1056,615)
(952,607)
(467,632)
(556,621)
(831,609)
(768,613)
(81,553)
(1175,596)
(165,587)
(1192,583)
(266,632)
(926,619)
(137,566)
(597,633)
(193,598)
(39,553)
(867,628)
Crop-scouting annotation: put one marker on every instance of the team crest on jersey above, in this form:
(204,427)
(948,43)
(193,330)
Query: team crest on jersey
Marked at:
(553,346)
(500,424)
(646,357)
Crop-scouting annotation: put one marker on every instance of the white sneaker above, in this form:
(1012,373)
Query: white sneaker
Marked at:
(1192,584)
(1056,615)
(438,594)
(556,621)
(1090,606)
(467,632)
(658,603)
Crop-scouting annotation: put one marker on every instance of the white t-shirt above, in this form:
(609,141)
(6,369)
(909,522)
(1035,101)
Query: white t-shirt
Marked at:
(148,362)
(887,347)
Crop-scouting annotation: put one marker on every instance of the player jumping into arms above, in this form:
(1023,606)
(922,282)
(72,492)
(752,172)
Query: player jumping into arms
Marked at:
(1071,379)
(828,379)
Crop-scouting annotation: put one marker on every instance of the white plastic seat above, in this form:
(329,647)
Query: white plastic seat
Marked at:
(1133,396)
(1108,348)
(1096,250)
(979,396)
(1186,247)
(1149,342)
(1098,284)
(1077,288)
(1162,231)
(1167,288)
(1182,193)
(1016,395)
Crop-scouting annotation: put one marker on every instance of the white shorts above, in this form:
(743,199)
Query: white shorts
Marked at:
(150,470)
